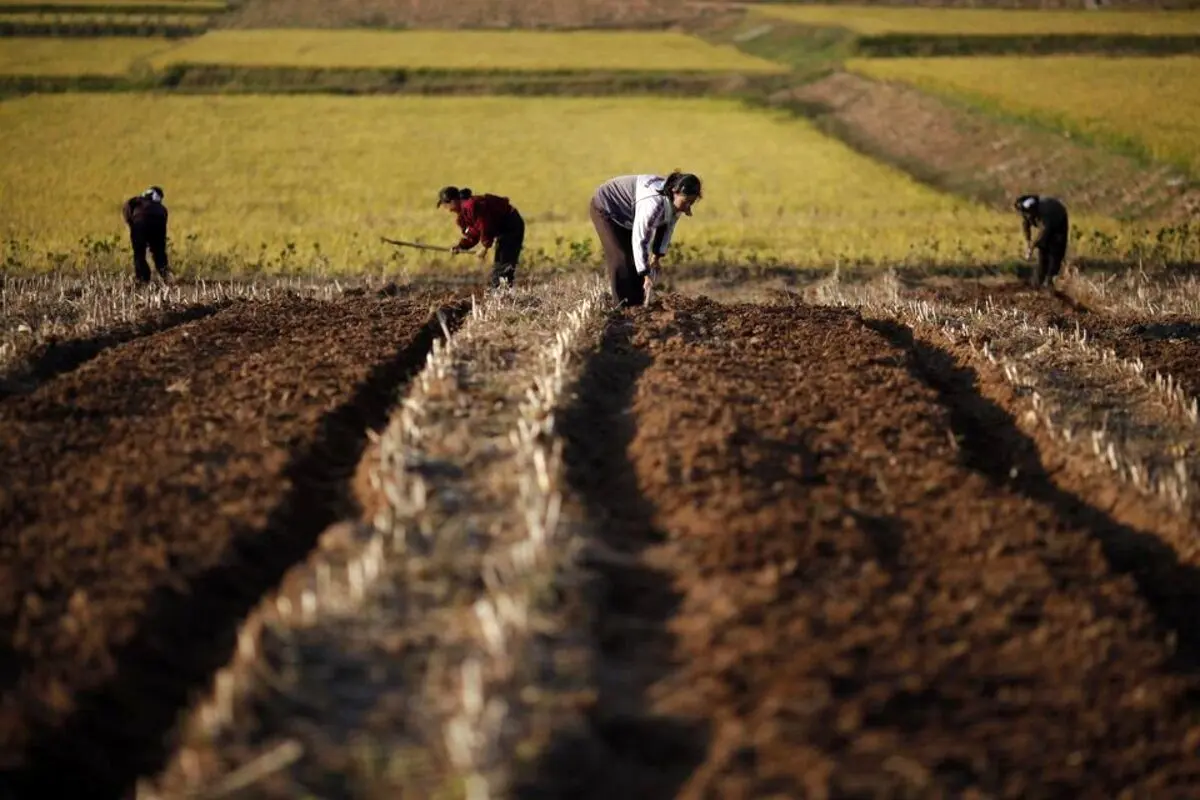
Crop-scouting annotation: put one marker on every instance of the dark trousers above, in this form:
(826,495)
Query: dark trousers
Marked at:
(618,257)
(149,234)
(1051,254)
(509,242)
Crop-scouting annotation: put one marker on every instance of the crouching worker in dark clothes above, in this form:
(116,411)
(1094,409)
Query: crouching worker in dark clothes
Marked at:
(635,216)
(1050,216)
(486,220)
(146,217)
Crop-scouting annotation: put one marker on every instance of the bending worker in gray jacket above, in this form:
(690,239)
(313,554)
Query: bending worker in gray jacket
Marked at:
(1049,214)
(635,216)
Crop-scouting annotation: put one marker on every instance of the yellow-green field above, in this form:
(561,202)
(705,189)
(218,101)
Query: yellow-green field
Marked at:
(464,50)
(103,55)
(1148,102)
(250,174)
(875,20)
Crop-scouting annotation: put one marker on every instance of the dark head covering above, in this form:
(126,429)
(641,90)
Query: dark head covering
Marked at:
(449,194)
(1026,203)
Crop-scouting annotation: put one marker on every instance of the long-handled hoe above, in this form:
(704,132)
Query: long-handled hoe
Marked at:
(417,245)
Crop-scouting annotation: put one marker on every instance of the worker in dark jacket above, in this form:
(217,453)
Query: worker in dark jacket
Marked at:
(635,217)
(146,217)
(1050,216)
(487,220)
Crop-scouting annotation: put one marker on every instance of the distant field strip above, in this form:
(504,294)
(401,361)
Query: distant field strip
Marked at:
(107,55)
(102,18)
(875,20)
(466,50)
(1147,104)
(251,174)
(115,6)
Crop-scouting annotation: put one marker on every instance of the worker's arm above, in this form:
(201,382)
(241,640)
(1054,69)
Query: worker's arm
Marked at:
(647,216)
(1027,229)
(471,232)
(662,239)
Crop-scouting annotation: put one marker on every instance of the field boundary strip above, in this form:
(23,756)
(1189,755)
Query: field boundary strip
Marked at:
(66,11)
(972,153)
(89,30)
(536,51)
(1156,133)
(494,530)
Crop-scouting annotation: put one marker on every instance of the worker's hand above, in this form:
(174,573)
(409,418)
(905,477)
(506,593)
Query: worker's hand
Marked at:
(655,261)
(1029,252)
(456,250)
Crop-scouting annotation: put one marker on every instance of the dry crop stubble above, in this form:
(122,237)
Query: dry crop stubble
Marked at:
(51,323)
(1141,426)
(226,448)
(825,597)
(448,580)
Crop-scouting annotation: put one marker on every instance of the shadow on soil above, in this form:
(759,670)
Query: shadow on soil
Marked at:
(994,446)
(58,358)
(122,729)
(623,750)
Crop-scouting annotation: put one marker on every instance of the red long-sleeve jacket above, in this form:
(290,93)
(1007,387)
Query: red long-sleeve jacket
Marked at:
(481,219)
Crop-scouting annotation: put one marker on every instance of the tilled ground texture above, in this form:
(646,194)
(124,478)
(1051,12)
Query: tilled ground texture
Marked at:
(152,495)
(874,588)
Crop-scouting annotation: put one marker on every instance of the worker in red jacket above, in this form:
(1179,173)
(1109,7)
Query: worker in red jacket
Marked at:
(487,220)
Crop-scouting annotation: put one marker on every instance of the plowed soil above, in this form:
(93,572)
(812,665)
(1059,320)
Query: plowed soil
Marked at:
(842,572)
(151,496)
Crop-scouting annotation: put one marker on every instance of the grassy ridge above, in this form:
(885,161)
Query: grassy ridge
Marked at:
(1147,106)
